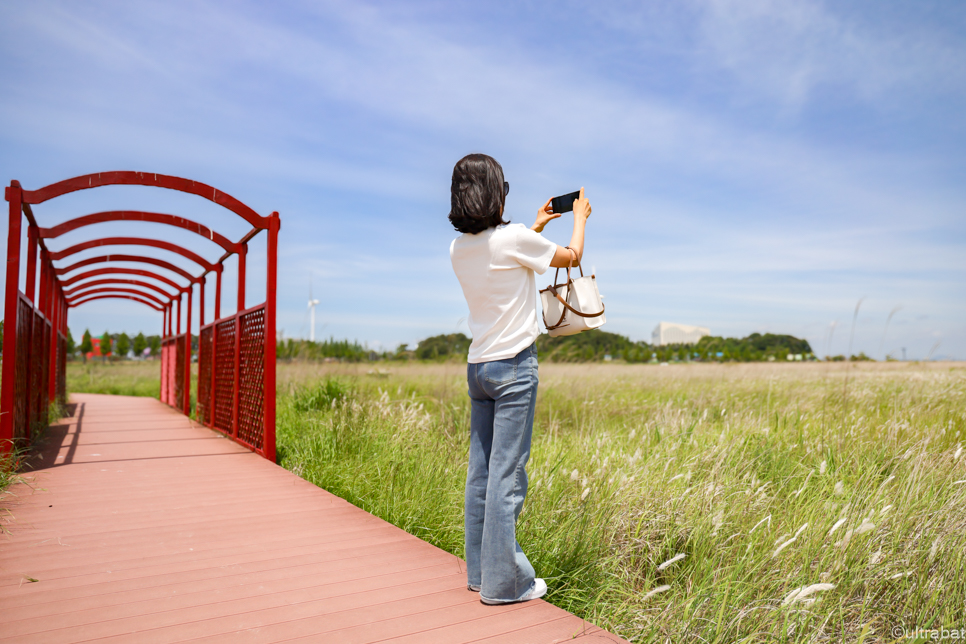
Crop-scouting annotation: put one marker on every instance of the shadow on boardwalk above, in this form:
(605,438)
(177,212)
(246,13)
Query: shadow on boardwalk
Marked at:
(139,525)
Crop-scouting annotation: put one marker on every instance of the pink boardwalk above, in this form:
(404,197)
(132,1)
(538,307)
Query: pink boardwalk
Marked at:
(140,525)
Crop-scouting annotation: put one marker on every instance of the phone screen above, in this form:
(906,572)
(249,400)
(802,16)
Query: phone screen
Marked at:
(564,203)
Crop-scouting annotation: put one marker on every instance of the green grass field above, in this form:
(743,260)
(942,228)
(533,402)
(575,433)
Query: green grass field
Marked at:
(716,503)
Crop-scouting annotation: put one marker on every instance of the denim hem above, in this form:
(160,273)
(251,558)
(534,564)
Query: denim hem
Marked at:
(533,585)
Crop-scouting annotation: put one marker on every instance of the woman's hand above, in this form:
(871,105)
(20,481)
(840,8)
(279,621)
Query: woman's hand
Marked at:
(544,215)
(582,207)
(563,257)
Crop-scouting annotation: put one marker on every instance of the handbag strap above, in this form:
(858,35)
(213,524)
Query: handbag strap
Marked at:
(570,266)
(563,312)
(553,290)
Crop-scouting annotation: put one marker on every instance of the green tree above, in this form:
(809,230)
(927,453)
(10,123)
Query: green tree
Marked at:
(105,345)
(455,345)
(123,345)
(86,344)
(140,344)
(71,345)
(155,343)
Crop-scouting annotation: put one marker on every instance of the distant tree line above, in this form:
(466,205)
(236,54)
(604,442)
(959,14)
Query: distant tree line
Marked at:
(590,346)
(115,346)
(331,349)
(596,345)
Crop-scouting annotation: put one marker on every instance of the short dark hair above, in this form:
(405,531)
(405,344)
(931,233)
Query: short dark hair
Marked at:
(476,194)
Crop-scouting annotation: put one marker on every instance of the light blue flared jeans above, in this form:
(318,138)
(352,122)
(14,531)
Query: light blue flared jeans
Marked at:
(503,395)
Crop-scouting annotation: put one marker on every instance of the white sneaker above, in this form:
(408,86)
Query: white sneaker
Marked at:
(537,590)
(473,588)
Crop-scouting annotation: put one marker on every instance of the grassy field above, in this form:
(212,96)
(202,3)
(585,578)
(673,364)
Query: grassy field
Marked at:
(128,378)
(716,503)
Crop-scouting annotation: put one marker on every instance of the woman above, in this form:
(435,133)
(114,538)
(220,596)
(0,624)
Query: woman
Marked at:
(495,262)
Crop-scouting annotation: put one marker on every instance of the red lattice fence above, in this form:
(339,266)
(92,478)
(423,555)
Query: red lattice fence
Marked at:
(179,358)
(234,365)
(205,346)
(223,394)
(168,389)
(61,377)
(22,412)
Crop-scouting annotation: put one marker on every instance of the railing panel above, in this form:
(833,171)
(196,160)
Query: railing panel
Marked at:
(22,398)
(164,363)
(168,371)
(251,397)
(61,368)
(44,368)
(179,354)
(205,346)
(164,370)
(36,371)
(224,374)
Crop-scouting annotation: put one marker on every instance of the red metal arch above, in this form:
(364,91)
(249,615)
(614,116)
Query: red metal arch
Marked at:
(236,354)
(147,179)
(137,215)
(100,259)
(117,289)
(120,270)
(116,297)
(75,292)
(133,241)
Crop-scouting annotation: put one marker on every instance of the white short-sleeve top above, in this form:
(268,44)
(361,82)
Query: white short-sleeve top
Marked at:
(496,270)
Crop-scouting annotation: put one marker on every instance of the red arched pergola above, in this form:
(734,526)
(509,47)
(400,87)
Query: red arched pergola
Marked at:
(236,353)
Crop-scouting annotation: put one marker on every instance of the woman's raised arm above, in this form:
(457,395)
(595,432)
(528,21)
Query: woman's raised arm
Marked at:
(563,257)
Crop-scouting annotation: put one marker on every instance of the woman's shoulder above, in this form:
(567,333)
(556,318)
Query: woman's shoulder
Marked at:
(508,231)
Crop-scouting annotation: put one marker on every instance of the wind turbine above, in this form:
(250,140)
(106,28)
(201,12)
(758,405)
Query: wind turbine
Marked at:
(312,304)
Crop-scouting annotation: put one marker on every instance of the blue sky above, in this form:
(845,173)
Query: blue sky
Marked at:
(753,166)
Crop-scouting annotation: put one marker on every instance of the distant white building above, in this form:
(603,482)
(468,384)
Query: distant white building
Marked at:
(670,333)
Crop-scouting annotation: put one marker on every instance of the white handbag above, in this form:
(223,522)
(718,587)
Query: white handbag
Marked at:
(574,306)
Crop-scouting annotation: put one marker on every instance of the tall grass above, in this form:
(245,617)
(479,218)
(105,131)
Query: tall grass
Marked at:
(10,463)
(14,459)
(712,503)
(682,503)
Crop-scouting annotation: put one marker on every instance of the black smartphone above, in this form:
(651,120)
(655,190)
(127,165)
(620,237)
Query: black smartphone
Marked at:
(564,203)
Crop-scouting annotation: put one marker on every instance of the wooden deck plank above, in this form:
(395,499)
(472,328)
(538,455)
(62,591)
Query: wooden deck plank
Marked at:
(158,599)
(142,526)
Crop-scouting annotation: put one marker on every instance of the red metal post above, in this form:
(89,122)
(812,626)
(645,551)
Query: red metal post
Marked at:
(236,388)
(201,324)
(14,195)
(236,399)
(201,304)
(270,339)
(165,332)
(242,254)
(30,286)
(210,420)
(186,403)
(51,285)
(41,303)
(178,314)
(54,339)
(54,343)
(220,269)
